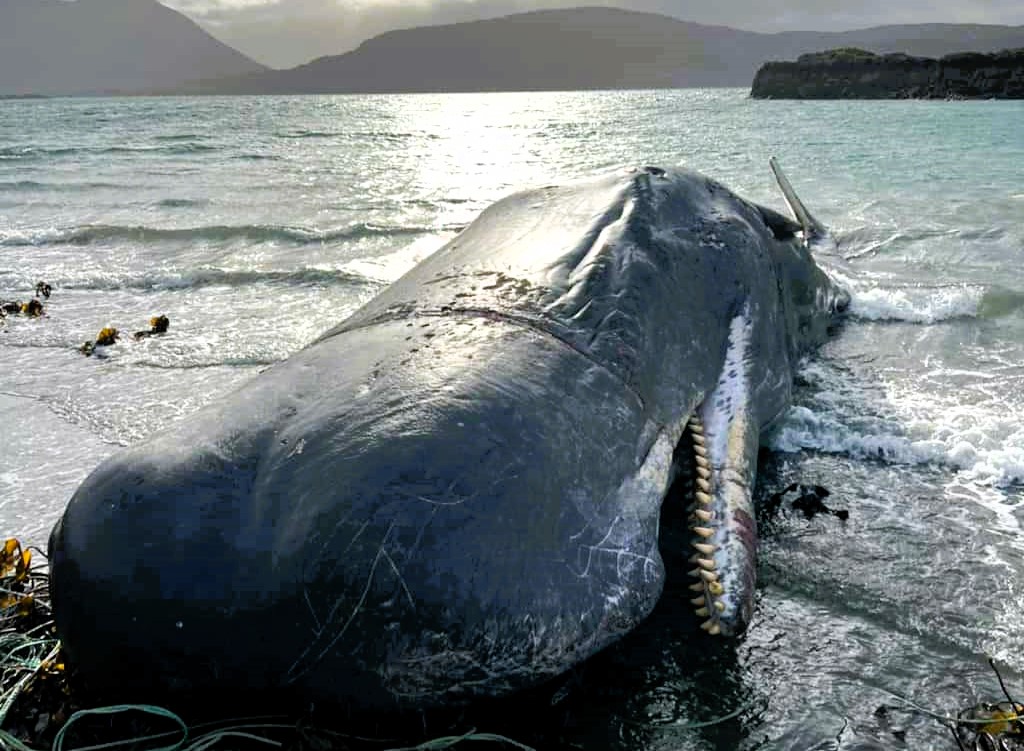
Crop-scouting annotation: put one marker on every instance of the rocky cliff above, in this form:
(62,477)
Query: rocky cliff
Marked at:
(858,74)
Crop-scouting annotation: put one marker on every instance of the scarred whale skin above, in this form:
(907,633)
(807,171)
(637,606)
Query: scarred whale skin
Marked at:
(455,492)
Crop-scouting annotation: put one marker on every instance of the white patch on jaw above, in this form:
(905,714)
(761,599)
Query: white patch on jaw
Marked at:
(641,493)
(726,416)
(630,537)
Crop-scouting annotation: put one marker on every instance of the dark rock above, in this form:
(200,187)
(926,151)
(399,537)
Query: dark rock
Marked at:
(851,73)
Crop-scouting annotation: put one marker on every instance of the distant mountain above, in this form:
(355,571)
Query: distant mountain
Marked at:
(586,48)
(100,46)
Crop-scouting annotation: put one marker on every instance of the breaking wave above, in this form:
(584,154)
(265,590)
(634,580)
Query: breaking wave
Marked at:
(33,185)
(99,233)
(214,277)
(1001,464)
(41,153)
(309,134)
(927,304)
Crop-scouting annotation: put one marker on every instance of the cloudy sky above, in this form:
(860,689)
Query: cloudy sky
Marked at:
(283,33)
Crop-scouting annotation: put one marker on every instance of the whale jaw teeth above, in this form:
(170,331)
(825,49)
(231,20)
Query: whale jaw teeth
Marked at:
(708,604)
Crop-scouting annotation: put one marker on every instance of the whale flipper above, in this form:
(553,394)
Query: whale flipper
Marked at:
(813,229)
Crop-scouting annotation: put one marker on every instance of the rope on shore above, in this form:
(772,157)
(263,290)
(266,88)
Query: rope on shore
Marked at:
(986,725)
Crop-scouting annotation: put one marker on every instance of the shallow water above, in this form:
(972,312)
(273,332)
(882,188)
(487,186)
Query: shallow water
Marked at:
(257,223)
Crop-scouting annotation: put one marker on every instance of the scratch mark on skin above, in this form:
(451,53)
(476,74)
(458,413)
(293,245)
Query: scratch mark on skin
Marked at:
(398,575)
(327,541)
(456,500)
(441,503)
(419,537)
(599,546)
(323,554)
(577,535)
(317,628)
(294,672)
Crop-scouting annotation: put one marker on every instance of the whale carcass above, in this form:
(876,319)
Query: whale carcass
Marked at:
(455,492)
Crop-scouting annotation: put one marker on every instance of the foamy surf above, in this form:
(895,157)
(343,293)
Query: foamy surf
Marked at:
(390,266)
(871,300)
(917,303)
(982,442)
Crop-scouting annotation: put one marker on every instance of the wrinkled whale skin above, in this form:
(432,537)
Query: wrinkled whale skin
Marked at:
(455,492)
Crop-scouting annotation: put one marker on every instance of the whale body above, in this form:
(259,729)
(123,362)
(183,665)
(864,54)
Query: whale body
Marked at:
(455,492)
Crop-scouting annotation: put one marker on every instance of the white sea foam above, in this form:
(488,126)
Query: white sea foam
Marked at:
(916,304)
(389,267)
(982,444)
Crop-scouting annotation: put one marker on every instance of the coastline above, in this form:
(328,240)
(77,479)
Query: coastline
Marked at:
(851,73)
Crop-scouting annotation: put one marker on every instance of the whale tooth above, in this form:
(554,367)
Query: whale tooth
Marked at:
(696,573)
(715,588)
(704,548)
(698,587)
(694,558)
(719,606)
(697,438)
(704,485)
(708,576)
(704,472)
(702,498)
(702,462)
(698,601)
(706,563)
(704,532)
(703,612)
(700,451)
(711,627)
(704,516)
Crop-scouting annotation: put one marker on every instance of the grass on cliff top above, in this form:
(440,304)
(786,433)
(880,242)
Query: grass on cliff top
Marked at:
(838,55)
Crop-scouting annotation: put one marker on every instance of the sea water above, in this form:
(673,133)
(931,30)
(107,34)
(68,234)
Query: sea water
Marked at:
(255,224)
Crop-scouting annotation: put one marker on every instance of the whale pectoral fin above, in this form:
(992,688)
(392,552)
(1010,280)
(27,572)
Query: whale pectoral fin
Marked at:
(725,434)
(813,229)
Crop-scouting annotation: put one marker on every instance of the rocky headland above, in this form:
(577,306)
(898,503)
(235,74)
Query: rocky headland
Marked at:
(851,73)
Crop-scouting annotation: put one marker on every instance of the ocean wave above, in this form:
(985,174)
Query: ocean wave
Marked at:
(309,134)
(33,185)
(865,242)
(869,240)
(38,153)
(213,277)
(805,429)
(917,304)
(177,148)
(257,157)
(179,203)
(99,233)
(181,137)
(23,185)
(31,153)
(392,135)
(930,304)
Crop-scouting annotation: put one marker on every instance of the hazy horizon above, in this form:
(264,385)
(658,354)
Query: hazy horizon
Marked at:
(283,35)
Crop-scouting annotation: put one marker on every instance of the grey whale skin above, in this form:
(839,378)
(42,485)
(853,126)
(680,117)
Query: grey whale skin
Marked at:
(455,492)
